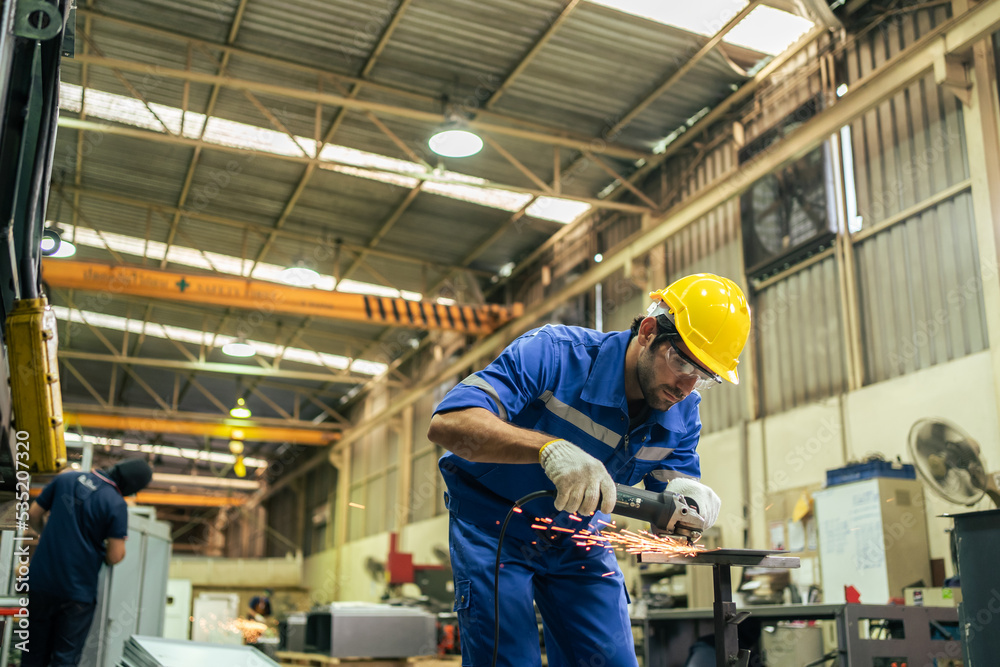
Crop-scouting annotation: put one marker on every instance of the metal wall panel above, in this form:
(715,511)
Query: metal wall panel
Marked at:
(319,483)
(920,293)
(919,285)
(283,520)
(912,145)
(711,245)
(798,332)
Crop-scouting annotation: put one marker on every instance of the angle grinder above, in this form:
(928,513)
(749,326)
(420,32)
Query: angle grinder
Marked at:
(667,512)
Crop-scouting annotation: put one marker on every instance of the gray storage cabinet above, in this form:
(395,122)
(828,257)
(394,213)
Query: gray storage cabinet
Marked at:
(361,630)
(132,595)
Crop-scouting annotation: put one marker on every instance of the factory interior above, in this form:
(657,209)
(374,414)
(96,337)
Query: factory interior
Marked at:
(253,244)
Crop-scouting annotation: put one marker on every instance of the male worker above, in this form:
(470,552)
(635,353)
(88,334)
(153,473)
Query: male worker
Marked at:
(87,524)
(576,410)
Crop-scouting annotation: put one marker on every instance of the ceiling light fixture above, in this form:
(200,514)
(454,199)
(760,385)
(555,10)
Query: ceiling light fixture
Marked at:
(455,143)
(299,275)
(65,249)
(453,139)
(240,411)
(54,246)
(239,467)
(239,348)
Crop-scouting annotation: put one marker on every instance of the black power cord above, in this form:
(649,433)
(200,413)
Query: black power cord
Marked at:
(496,570)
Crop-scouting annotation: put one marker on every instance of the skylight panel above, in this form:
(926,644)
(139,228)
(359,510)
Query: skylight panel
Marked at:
(382,176)
(704,17)
(165,450)
(224,264)
(342,159)
(504,200)
(358,158)
(557,210)
(765,29)
(242,135)
(768,30)
(181,334)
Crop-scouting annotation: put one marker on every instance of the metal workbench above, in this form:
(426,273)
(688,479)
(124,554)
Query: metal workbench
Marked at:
(669,634)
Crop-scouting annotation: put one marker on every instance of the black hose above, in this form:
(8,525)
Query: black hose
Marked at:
(496,570)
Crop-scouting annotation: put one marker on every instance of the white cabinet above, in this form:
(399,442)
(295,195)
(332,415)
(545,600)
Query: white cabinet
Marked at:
(872,536)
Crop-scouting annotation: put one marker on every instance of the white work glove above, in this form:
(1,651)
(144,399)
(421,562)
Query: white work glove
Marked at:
(581,480)
(706,499)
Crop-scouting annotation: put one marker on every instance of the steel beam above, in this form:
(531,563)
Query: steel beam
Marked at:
(532,52)
(213,98)
(205,481)
(161,137)
(187,499)
(383,229)
(311,238)
(411,96)
(334,126)
(675,147)
(307,434)
(213,367)
(681,71)
(955,36)
(551,136)
(660,90)
(250,294)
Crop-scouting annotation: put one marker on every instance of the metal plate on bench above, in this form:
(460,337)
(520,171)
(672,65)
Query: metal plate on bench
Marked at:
(743,557)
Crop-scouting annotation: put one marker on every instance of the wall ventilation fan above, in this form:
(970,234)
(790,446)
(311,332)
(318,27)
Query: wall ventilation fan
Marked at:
(949,460)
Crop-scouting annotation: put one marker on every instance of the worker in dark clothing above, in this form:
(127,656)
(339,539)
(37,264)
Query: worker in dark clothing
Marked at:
(83,520)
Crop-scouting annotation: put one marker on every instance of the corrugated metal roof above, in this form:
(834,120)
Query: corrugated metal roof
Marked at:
(594,69)
(601,63)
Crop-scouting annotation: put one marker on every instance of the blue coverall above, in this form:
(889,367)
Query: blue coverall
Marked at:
(568,382)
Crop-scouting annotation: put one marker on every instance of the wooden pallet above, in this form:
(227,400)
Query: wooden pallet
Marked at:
(295,659)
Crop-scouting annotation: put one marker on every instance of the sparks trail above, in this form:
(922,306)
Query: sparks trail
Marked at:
(631,542)
(646,542)
(251,630)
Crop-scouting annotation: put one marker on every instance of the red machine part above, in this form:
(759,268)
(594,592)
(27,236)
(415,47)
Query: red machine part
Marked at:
(400,565)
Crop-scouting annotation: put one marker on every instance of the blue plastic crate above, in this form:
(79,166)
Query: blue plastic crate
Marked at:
(870,470)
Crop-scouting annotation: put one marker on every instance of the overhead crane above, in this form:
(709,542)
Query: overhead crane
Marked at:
(257,294)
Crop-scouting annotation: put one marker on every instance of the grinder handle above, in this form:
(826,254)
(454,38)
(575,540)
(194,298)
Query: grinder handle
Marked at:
(656,508)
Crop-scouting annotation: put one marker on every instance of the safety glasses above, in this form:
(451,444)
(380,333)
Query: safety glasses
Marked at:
(684,367)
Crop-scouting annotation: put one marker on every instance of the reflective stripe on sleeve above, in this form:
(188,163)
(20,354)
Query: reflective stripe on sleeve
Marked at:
(581,421)
(479,383)
(663,475)
(653,453)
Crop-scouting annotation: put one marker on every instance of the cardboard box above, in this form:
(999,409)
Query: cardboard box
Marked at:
(872,537)
(932,597)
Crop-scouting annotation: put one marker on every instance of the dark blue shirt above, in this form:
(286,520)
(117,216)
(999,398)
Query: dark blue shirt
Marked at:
(84,510)
(568,382)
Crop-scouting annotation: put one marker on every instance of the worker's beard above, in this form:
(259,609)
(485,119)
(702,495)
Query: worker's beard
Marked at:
(652,391)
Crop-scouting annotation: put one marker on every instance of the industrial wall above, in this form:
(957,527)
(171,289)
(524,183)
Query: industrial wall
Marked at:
(849,347)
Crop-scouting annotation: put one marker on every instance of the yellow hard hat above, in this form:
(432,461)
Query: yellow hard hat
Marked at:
(712,317)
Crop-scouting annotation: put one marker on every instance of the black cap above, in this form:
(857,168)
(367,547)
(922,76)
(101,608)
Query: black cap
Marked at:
(131,476)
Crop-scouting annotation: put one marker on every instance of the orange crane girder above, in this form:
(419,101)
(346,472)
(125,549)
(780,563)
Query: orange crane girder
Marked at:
(271,297)
(224,430)
(175,499)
